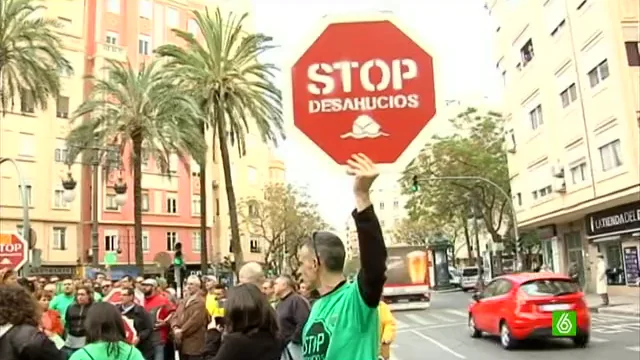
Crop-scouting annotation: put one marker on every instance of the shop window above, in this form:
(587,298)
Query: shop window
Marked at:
(615,267)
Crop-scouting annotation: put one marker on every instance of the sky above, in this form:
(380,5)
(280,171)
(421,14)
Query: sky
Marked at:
(460,32)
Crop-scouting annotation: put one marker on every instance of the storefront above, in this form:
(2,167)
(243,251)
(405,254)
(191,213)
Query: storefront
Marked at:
(60,271)
(548,236)
(615,234)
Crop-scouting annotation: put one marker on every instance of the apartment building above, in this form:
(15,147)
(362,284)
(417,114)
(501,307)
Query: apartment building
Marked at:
(94,31)
(570,70)
(34,138)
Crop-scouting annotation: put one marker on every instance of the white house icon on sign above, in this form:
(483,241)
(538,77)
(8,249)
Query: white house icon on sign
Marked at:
(364,127)
(5,261)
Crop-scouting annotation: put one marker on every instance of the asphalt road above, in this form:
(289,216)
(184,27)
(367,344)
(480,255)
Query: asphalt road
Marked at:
(440,333)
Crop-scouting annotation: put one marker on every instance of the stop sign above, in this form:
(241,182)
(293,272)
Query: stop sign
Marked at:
(13,250)
(363,84)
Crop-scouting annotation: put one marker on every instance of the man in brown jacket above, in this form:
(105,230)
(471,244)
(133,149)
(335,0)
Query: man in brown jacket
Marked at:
(189,324)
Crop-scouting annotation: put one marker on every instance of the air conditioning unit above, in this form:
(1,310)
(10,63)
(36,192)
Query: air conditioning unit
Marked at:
(559,186)
(557,171)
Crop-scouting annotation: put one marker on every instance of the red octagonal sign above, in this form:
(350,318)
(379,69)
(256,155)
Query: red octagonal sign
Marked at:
(363,85)
(13,251)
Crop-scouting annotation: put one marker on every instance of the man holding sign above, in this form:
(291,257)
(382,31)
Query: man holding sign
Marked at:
(346,308)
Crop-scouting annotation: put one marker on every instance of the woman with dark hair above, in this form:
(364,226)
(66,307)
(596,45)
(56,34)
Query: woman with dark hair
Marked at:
(75,318)
(250,327)
(20,337)
(8,277)
(106,336)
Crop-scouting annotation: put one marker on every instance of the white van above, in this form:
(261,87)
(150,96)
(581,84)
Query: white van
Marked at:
(469,278)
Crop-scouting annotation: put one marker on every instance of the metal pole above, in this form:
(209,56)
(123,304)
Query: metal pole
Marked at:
(95,245)
(26,224)
(476,233)
(177,274)
(501,190)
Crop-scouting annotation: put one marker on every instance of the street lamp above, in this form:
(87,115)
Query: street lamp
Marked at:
(69,185)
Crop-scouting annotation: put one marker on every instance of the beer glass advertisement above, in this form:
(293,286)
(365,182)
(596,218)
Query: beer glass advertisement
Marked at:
(407,265)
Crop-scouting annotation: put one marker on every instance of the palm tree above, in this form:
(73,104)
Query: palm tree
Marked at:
(30,55)
(236,92)
(142,112)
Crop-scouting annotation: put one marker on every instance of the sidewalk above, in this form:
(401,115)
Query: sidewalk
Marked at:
(620,305)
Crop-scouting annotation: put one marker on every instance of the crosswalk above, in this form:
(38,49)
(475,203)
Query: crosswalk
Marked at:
(427,318)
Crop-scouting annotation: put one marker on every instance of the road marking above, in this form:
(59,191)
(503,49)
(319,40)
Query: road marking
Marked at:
(608,317)
(633,348)
(393,357)
(394,346)
(440,345)
(440,317)
(598,340)
(401,324)
(433,327)
(420,320)
(457,312)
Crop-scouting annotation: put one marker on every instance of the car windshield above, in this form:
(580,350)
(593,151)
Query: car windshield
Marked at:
(470,272)
(454,272)
(549,287)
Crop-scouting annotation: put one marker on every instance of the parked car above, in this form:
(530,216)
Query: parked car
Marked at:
(469,278)
(454,277)
(520,306)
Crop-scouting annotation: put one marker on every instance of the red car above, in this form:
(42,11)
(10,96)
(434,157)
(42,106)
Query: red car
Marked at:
(520,306)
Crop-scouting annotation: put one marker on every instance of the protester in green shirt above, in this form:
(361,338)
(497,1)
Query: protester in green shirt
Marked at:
(62,301)
(106,339)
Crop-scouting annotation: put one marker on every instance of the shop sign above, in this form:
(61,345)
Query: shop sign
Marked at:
(620,219)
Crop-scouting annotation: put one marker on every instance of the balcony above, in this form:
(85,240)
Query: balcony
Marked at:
(111,52)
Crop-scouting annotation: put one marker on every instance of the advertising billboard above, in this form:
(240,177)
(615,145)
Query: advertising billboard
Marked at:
(407,265)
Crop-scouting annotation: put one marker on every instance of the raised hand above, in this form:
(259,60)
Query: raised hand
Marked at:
(364,172)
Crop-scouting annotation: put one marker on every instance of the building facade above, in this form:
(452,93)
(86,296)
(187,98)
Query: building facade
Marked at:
(94,31)
(570,71)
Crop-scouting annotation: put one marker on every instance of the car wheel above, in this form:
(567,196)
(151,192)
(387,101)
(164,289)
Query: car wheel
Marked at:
(581,340)
(473,330)
(506,339)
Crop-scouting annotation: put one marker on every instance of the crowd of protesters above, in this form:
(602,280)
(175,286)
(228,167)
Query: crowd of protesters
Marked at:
(258,319)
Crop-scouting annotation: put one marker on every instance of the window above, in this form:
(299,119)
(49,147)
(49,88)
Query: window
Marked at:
(28,191)
(510,138)
(146,9)
(542,192)
(112,38)
(172,239)
(27,145)
(62,107)
(192,27)
(59,238)
(558,29)
(611,155)
(578,173)
(144,44)
(518,199)
(64,72)
(252,175)
(195,241)
(535,117)
(174,162)
(526,53)
(172,204)
(633,52)
(396,204)
(27,105)
(195,204)
(111,243)
(110,201)
(569,95)
(173,18)
(145,201)
(254,246)
(58,199)
(113,6)
(599,73)
(145,241)
(145,159)
(549,287)
(60,153)
(381,205)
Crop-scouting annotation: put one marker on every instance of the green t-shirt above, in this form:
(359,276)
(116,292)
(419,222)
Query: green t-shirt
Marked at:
(98,351)
(61,303)
(341,326)
(97,297)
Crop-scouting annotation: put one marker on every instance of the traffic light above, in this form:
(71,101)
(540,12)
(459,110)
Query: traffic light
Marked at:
(414,184)
(177,256)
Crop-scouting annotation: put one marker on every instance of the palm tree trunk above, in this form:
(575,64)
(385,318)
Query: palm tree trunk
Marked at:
(137,200)
(236,246)
(203,215)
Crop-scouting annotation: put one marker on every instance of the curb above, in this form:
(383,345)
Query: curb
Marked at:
(601,310)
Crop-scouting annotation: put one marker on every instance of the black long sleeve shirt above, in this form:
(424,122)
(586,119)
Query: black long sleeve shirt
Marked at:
(373,256)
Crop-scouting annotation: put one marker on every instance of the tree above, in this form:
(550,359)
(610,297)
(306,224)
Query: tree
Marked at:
(236,92)
(281,221)
(475,149)
(30,54)
(413,232)
(132,109)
